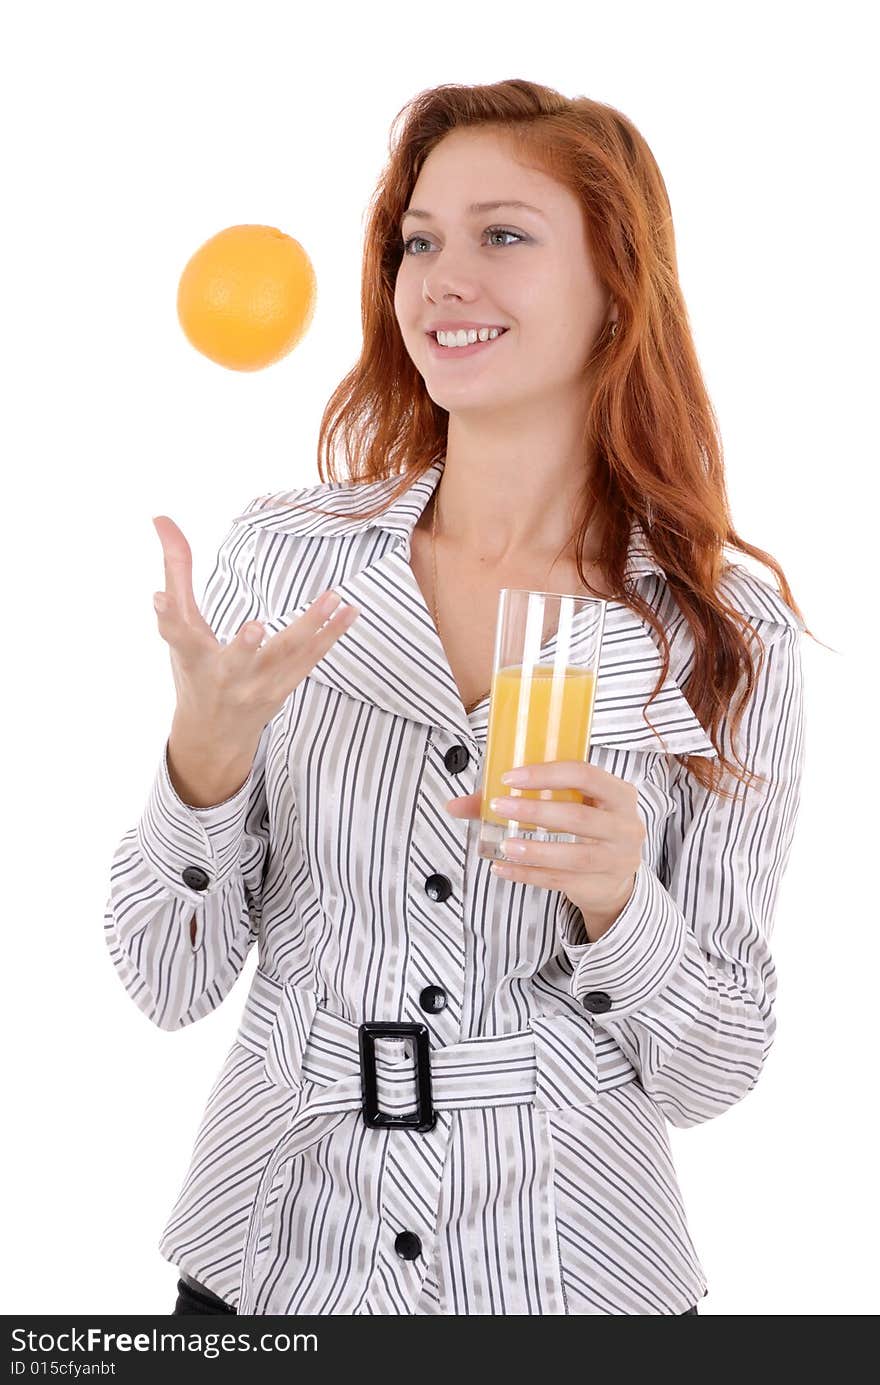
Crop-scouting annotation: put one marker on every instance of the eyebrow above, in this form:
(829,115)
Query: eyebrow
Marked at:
(475,208)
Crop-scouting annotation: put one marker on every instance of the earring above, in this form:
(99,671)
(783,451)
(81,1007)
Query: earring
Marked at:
(613,329)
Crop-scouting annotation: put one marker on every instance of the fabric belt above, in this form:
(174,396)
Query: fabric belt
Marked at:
(559,1062)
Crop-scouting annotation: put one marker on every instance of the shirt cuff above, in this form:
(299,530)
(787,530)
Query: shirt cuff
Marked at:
(637,956)
(193,851)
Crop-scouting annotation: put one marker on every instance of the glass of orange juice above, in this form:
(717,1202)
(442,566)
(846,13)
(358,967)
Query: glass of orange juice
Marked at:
(544,675)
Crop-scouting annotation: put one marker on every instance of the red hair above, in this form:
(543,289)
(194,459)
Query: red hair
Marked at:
(651,426)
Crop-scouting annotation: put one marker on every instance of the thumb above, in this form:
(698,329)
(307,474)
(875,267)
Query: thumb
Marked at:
(468,806)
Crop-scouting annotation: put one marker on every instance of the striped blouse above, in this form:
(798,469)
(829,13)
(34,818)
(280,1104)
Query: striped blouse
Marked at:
(535,1174)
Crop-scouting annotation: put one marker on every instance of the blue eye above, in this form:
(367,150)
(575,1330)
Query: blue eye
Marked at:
(491,230)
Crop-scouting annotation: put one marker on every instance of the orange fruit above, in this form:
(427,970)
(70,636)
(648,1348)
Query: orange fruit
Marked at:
(247,296)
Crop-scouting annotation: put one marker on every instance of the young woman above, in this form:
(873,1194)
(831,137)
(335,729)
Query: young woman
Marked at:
(317,789)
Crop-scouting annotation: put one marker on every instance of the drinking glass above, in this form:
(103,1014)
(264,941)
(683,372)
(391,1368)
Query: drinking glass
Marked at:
(544,675)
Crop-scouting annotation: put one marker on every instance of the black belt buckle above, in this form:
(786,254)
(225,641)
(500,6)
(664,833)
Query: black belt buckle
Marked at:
(424,1117)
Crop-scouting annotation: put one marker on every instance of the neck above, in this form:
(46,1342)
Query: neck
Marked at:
(482,547)
(499,507)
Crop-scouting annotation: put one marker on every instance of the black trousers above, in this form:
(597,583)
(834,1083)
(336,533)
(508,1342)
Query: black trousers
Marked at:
(193,1297)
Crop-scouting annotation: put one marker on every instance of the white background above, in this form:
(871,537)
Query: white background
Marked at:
(132,133)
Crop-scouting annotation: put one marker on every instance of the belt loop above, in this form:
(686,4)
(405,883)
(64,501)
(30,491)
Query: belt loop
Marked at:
(565,1058)
(289,1035)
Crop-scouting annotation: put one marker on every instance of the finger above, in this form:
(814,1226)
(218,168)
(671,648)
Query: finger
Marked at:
(313,632)
(249,641)
(578,818)
(177,557)
(180,633)
(541,876)
(316,630)
(581,857)
(569,882)
(604,789)
(467,806)
(329,630)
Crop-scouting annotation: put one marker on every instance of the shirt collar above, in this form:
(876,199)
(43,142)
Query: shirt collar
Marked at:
(392,657)
(343,500)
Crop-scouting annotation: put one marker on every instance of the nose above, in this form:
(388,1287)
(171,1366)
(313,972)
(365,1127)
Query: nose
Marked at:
(444,282)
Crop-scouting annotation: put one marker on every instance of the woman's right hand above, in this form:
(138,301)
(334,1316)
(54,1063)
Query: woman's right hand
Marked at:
(232,691)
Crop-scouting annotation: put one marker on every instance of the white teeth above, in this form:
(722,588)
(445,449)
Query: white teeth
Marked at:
(463,338)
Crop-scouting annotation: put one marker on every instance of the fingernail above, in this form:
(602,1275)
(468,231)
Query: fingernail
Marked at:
(515,776)
(253,634)
(513,848)
(160,604)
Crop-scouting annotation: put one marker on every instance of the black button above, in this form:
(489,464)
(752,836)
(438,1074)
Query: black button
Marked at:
(407,1245)
(457,758)
(432,999)
(597,1001)
(196,878)
(438,887)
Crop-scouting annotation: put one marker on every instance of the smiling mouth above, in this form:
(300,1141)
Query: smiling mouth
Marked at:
(462,352)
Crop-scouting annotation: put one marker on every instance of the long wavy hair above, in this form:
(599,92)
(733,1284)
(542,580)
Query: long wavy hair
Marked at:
(651,427)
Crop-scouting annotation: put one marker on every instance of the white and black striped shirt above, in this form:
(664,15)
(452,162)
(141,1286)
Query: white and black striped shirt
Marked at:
(546,1183)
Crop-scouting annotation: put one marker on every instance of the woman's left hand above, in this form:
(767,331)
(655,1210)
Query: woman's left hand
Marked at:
(598,871)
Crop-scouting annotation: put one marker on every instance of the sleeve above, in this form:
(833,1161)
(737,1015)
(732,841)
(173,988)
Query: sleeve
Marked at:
(687,966)
(186,883)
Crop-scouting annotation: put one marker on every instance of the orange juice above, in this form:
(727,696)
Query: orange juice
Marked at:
(535,717)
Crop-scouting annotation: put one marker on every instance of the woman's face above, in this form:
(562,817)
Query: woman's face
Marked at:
(528,271)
